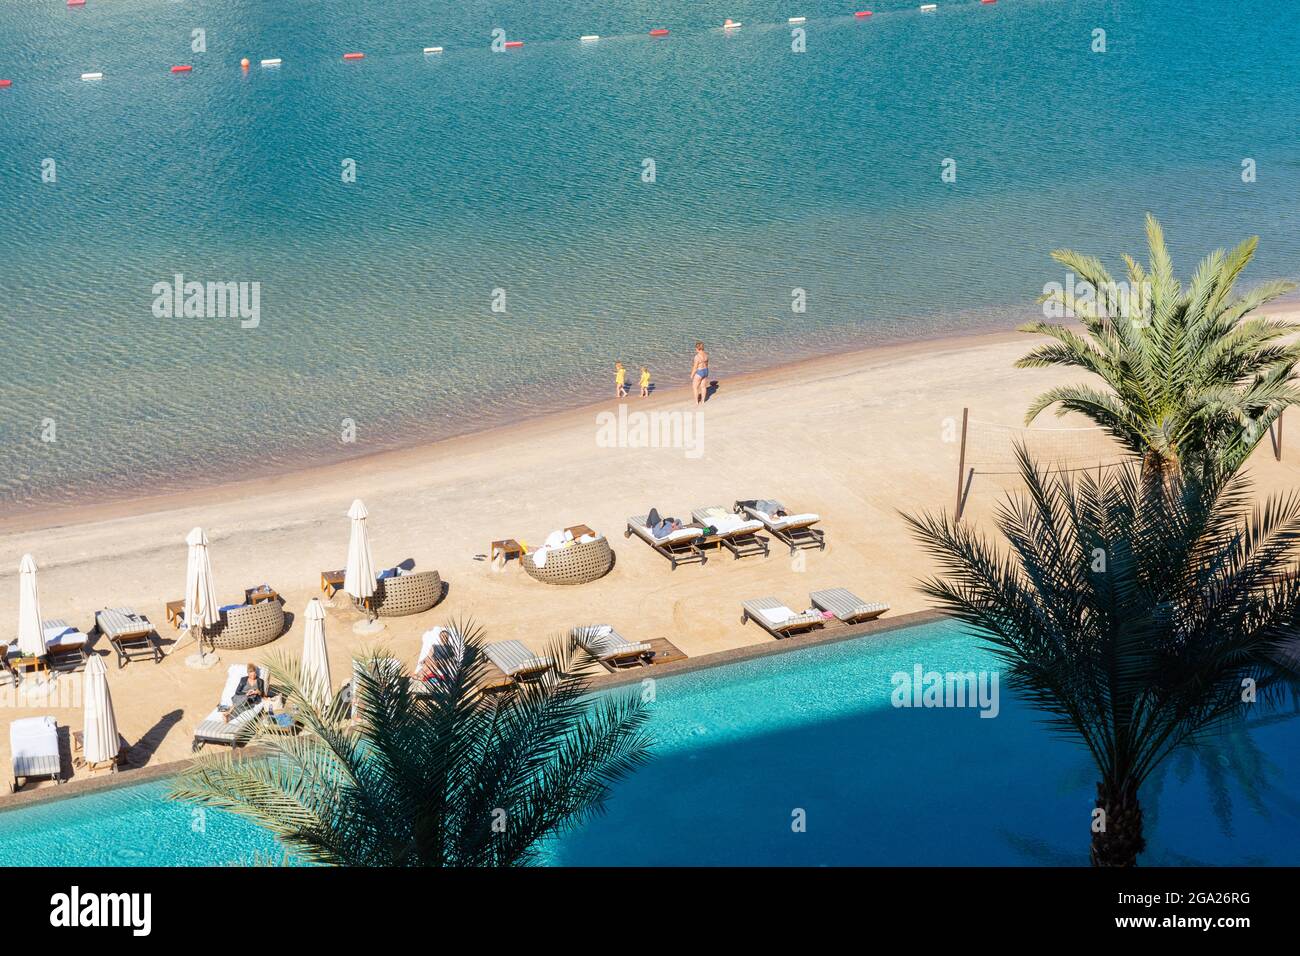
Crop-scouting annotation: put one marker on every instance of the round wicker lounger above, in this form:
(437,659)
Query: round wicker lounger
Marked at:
(250,626)
(576,564)
(407,594)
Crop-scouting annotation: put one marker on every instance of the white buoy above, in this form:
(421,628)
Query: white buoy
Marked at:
(274,62)
(927,7)
(92,76)
(732,25)
(798,19)
(590,38)
(433,49)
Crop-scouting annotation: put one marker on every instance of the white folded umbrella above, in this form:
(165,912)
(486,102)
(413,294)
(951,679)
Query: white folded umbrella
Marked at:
(101,743)
(359,575)
(315,657)
(200,592)
(31,632)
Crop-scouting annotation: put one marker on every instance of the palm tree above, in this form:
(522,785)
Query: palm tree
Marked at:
(1138,612)
(1190,378)
(436,773)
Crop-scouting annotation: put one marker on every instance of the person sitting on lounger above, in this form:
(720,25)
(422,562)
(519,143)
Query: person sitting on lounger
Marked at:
(250,692)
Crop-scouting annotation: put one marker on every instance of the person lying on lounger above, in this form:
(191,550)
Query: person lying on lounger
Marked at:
(659,527)
(250,692)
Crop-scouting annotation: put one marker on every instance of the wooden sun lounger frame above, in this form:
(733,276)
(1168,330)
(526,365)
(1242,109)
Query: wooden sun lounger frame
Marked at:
(683,552)
(740,543)
(847,606)
(801,623)
(132,640)
(633,654)
(796,538)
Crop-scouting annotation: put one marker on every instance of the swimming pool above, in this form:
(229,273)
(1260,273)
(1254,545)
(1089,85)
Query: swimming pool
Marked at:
(745,750)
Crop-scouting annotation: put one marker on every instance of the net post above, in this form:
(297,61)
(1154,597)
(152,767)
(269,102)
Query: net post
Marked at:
(961,463)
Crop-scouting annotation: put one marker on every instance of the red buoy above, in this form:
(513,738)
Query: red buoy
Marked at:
(863,13)
(659,32)
(514,43)
(354,56)
(988,1)
(182,69)
(76,3)
(4,83)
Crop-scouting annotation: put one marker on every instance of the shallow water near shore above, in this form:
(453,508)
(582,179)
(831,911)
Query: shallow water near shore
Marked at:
(741,749)
(522,171)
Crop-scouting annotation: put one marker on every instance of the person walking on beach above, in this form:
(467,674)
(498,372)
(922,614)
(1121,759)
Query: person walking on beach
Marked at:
(620,377)
(645,381)
(700,373)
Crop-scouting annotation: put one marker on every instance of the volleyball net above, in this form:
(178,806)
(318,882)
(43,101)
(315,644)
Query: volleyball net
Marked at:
(988,450)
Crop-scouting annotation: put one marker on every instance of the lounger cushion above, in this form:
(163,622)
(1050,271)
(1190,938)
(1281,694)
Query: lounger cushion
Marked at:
(122,622)
(605,642)
(61,636)
(34,747)
(514,657)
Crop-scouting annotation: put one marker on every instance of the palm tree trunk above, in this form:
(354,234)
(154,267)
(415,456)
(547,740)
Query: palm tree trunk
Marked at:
(1118,840)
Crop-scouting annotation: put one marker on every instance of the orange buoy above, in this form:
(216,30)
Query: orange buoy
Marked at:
(4,83)
(659,33)
(354,56)
(863,13)
(514,43)
(76,3)
(182,69)
(244,63)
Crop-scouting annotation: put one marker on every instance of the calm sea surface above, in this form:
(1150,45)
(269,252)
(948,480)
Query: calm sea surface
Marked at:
(523,171)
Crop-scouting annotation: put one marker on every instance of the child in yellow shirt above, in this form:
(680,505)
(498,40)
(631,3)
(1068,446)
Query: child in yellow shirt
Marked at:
(620,376)
(645,381)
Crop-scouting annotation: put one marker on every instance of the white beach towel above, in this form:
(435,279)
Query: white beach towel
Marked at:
(777,615)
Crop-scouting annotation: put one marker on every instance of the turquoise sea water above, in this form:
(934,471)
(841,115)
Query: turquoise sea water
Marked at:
(739,749)
(522,171)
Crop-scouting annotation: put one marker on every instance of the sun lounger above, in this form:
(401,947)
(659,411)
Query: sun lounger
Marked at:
(777,619)
(64,644)
(516,660)
(612,648)
(847,606)
(796,531)
(215,729)
(737,533)
(130,633)
(34,749)
(679,547)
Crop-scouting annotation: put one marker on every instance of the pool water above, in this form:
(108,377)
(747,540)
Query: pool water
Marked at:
(744,751)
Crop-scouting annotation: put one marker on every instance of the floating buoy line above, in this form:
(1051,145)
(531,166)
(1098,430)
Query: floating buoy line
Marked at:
(658,32)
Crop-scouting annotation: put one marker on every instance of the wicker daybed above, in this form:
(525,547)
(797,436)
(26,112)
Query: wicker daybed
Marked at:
(406,594)
(251,625)
(578,563)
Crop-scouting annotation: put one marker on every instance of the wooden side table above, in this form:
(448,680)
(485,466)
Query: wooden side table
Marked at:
(578,530)
(507,546)
(257,596)
(175,611)
(331,582)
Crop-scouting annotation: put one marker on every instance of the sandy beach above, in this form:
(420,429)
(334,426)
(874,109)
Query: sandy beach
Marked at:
(856,438)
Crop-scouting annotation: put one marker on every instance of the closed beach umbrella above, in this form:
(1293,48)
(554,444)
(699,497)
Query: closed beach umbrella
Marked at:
(101,740)
(315,657)
(31,633)
(359,576)
(200,594)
